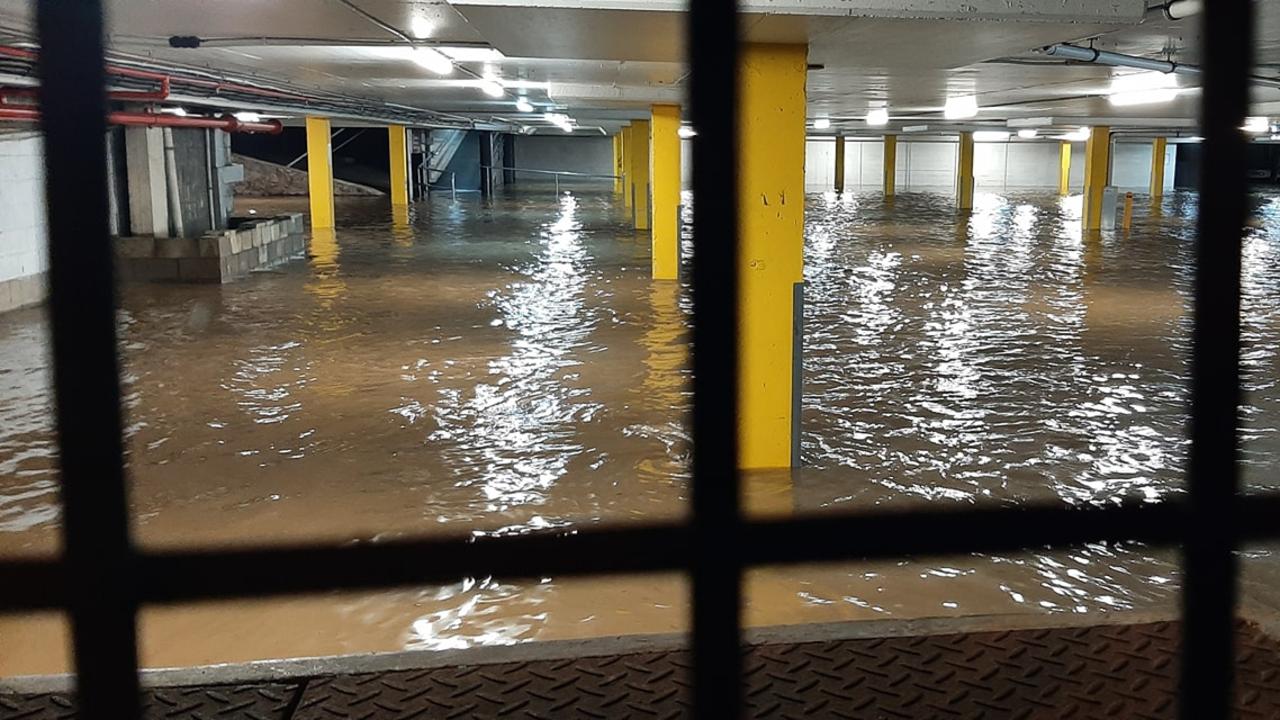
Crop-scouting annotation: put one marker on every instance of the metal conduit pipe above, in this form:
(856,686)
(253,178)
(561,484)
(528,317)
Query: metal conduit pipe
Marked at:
(1104,57)
(174,194)
(146,119)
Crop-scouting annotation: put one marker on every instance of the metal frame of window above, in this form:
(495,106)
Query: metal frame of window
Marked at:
(101,578)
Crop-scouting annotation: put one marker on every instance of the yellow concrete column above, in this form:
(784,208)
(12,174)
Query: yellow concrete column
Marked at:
(839,163)
(665,172)
(1064,168)
(964,173)
(1097,172)
(399,146)
(320,172)
(639,164)
(627,149)
(1158,148)
(771,200)
(890,165)
(617,164)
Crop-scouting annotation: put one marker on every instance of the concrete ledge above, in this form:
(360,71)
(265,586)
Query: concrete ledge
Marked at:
(23,291)
(218,256)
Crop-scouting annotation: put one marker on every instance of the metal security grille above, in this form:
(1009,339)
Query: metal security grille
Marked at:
(101,578)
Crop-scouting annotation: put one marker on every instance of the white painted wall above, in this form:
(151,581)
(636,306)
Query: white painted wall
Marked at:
(23,246)
(931,165)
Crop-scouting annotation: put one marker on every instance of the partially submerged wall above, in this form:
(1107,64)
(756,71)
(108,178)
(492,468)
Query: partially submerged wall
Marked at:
(216,257)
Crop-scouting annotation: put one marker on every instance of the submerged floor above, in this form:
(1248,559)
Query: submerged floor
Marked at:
(507,368)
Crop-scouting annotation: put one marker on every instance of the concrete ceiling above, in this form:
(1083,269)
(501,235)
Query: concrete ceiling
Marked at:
(605,61)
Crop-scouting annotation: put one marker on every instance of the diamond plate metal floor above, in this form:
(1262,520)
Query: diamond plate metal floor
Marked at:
(1108,671)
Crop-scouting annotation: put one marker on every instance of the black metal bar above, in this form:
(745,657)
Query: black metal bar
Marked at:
(1209,562)
(715,560)
(192,574)
(99,583)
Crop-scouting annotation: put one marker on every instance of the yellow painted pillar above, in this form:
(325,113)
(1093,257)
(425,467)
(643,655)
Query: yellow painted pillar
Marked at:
(639,175)
(665,172)
(964,173)
(627,149)
(1158,148)
(617,164)
(839,163)
(399,146)
(320,172)
(771,138)
(890,165)
(1064,168)
(1097,172)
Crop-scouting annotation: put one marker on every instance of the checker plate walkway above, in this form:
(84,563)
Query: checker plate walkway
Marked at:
(1109,671)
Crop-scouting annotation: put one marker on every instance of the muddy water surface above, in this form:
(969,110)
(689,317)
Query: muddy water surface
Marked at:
(510,368)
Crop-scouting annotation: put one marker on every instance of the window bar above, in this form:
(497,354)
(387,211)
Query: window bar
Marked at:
(97,553)
(1209,562)
(716,562)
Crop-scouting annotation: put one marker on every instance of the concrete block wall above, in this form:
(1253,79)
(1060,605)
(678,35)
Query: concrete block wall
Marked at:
(218,256)
(24,254)
(931,165)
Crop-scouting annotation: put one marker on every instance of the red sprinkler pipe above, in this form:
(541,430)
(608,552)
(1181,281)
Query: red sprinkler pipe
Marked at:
(146,119)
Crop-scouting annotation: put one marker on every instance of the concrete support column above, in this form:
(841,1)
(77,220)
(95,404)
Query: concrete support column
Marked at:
(1158,148)
(320,172)
(486,162)
(839,163)
(627,149)
(639,175)
(1064,168)
(665,172)
(619,170)
(1097,172)
(964,173)
(771,149)
(890,165)
(398,144)
(148,191)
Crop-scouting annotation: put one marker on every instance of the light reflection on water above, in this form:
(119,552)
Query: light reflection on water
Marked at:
(511,368)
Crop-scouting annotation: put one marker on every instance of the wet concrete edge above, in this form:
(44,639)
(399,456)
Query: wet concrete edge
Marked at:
(299,668)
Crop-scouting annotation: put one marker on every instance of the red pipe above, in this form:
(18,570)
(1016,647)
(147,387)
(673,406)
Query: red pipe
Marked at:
(146,119)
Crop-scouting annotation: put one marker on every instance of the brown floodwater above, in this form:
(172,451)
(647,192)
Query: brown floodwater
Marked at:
(510,367)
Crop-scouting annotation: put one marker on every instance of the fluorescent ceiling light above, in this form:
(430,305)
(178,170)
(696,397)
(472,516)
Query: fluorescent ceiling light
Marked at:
(247,116)
(492,88)
(822,123)
(433,60)
(1143,88)
(179,111)
(1028,133)
(960,107)
(991,135)
(421,27)
(876,117)
(1080,135)
(686,131)
(462,53)
(1256,125)
(560,120)
(523,105)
